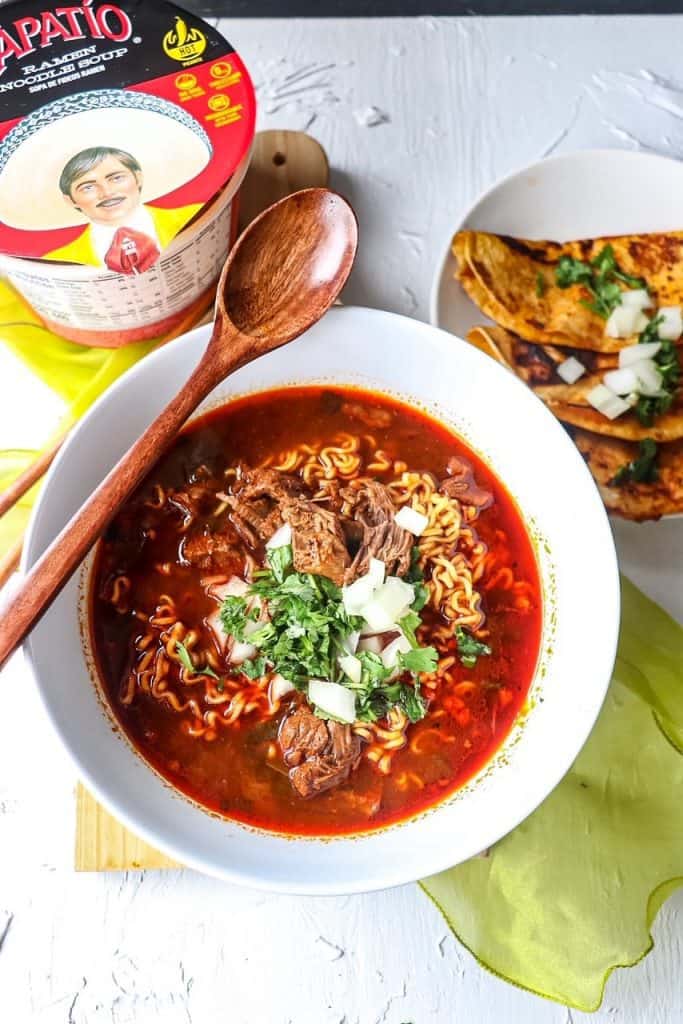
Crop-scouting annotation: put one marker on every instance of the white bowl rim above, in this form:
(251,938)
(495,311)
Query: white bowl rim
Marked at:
(393,874)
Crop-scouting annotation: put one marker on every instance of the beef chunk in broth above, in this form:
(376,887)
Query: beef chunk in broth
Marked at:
(460,484)
(318,544)
(302,735)
(319,754)
(380,536)
(259,502)
(217,551)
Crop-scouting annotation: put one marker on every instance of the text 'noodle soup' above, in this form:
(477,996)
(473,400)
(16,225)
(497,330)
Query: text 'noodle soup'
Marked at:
(320,614)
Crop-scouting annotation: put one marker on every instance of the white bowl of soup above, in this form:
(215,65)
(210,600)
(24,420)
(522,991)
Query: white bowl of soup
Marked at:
(352,629)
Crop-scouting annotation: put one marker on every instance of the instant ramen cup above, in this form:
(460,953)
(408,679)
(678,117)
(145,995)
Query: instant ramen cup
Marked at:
(119,203)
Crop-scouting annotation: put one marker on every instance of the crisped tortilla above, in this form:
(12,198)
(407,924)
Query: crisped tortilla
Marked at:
(501,276)
(606,455)
(536,366)
(628,427)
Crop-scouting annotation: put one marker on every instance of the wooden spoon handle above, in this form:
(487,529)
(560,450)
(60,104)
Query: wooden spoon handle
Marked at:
(67,551)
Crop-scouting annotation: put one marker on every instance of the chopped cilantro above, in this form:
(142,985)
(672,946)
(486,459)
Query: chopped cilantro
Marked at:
(469,649)
(410,700)
(642,469)
(540,285)
(234,616)
(421,659)
(409,624)
(279,560)
(570,271)
(649,407)
(421,596)
(254,668)
(415,576)
(600,277)
(375,696)
(307,630)
(188,664)
(308,623)
(651,331)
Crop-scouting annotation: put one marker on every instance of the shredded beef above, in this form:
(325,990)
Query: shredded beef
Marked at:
(317,540)
(460,484)
(217,551)
(380,536)
(319,754)
(302,734)
(194,501)
(259,502)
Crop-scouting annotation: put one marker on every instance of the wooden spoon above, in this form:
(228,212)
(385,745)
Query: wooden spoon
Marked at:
(281,276)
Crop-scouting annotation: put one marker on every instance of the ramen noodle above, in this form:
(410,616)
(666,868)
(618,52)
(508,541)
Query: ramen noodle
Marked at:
(273,509)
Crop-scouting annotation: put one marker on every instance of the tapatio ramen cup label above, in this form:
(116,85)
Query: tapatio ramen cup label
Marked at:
(125,125)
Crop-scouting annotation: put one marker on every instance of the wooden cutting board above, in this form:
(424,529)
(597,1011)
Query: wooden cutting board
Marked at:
(282,162)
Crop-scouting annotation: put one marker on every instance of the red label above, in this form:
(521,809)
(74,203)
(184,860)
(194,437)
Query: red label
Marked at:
(97,143)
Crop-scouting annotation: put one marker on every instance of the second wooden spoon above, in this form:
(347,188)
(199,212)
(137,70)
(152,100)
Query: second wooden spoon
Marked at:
(281,276)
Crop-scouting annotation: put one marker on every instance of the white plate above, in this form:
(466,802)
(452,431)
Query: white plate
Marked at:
(506,424)
(578,195)
(582,195)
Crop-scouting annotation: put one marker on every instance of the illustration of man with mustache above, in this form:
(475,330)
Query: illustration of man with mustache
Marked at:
(125,235)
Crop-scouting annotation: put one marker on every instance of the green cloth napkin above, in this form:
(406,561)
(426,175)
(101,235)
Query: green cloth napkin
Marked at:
(572,892)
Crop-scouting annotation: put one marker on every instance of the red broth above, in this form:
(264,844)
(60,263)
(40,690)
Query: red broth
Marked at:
(235,773)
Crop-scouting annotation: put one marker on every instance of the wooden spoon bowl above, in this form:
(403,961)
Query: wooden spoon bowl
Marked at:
(282,275)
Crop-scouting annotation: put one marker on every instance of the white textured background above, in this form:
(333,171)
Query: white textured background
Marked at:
(417,116)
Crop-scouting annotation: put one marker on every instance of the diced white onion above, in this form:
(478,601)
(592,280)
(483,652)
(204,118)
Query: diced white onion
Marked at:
(606,402)
(671,326)
(570,370)
(632,399)
(215,624)
(401,645)
(624,322)
(333,699)
(377,640)
(350,642)
(252,627)
(388,604)
(241,651)
(622,381)
(649,377)
(377,571)
(374,643)
(634,353)
(637,298)
(281,538)
(411,520)
(358,594)
(642,377)
(278,688)
(235,587)
(351,666)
